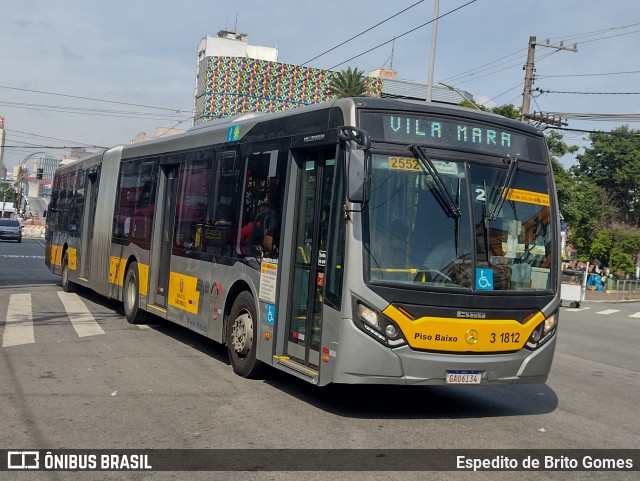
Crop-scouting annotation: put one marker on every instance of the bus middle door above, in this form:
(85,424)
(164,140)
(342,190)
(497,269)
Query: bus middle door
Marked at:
(162,242)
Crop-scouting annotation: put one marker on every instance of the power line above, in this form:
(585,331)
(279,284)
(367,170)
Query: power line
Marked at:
(610,36)
(93,99)
(52,147)
(403,34)
(585,93)
(27,134)
(86,111)
(576,36)
(503,93)
(598,117)
(362,33)
(481,68)
(589,74)
(617,134)
(462,74)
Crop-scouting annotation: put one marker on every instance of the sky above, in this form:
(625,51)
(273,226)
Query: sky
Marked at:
(92,73)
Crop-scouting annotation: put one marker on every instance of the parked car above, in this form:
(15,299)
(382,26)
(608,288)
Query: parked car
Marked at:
(10,229)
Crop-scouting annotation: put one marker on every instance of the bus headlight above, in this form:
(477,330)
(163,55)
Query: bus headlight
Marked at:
(543,332)
(369,316)
(379,326)
(550,322)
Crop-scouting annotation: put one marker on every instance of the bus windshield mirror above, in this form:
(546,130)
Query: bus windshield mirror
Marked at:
(504,190)
(427,166)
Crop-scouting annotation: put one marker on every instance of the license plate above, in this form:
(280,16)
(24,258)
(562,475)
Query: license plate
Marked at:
(463,377)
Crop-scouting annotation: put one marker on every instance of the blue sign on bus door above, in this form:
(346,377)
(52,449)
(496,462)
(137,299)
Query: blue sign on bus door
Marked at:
(484,279)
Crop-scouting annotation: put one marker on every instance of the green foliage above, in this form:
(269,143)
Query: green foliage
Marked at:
(622,262)
(617,247)
(613,163)
(7,192)
(348,83)
(509,110)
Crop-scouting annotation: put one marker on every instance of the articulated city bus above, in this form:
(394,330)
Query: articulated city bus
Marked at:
(363,240)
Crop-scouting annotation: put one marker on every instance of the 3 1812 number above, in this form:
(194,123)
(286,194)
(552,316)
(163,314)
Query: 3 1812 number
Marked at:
(505,337)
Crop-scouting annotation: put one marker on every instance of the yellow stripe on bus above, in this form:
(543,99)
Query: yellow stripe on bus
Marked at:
(55,255)
(73,258)
(117,266)
(464,335)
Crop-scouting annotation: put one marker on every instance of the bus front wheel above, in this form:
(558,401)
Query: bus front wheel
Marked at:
(242,336)
(131,295)
(67,285)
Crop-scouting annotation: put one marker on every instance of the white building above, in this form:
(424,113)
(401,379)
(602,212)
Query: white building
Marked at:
(228,44)
(48,163)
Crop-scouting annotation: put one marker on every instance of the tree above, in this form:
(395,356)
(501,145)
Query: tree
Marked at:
(348,83)
(617,247)
(613,163)
(7,192)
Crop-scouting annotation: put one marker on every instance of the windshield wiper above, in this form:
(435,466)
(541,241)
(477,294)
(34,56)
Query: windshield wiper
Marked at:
(452,209)
(504,190)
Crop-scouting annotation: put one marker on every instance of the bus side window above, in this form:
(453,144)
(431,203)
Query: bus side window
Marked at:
(262,209)
(194,185)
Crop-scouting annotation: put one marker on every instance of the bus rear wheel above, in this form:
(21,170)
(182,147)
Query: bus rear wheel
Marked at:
(131,296)
(242,330)
(67,285)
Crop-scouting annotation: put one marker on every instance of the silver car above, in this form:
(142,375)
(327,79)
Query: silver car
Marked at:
(10,229)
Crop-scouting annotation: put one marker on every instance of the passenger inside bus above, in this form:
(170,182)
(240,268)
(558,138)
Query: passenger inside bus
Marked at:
(261,234)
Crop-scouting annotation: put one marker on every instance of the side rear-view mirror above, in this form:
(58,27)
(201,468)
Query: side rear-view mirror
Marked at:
(357,175)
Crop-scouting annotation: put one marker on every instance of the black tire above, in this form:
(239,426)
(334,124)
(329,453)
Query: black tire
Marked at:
(67,285)
(131,296)
(574,305)
(242,332)
(19,240)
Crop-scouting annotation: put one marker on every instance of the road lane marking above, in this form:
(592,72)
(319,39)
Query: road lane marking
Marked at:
(19,327)
(608,311)
(636,315)
(577,309)
(143,326)
(81,319)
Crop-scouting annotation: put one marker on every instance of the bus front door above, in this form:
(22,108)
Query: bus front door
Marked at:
(310,241)
(163,237)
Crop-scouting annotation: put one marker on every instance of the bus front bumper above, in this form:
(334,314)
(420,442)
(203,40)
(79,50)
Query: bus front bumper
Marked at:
(366,361)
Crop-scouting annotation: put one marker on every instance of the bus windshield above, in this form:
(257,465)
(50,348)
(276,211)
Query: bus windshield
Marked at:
(478,239)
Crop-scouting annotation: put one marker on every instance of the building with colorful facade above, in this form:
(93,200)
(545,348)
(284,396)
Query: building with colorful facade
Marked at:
(233,77)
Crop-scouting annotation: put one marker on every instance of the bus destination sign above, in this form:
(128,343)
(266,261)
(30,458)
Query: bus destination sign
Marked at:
(413,129)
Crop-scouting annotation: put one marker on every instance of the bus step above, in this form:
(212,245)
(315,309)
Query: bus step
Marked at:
(297,369)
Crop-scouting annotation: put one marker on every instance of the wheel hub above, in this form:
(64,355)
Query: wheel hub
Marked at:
(242,334)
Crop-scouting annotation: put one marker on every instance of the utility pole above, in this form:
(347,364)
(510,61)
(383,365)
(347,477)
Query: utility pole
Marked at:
(529,72)
(432,57)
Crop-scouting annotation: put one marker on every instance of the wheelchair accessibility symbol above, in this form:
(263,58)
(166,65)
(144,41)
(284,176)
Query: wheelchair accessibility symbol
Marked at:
(484,279)
(271,314)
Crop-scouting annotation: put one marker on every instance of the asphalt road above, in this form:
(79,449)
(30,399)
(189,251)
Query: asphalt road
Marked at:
(105,384)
